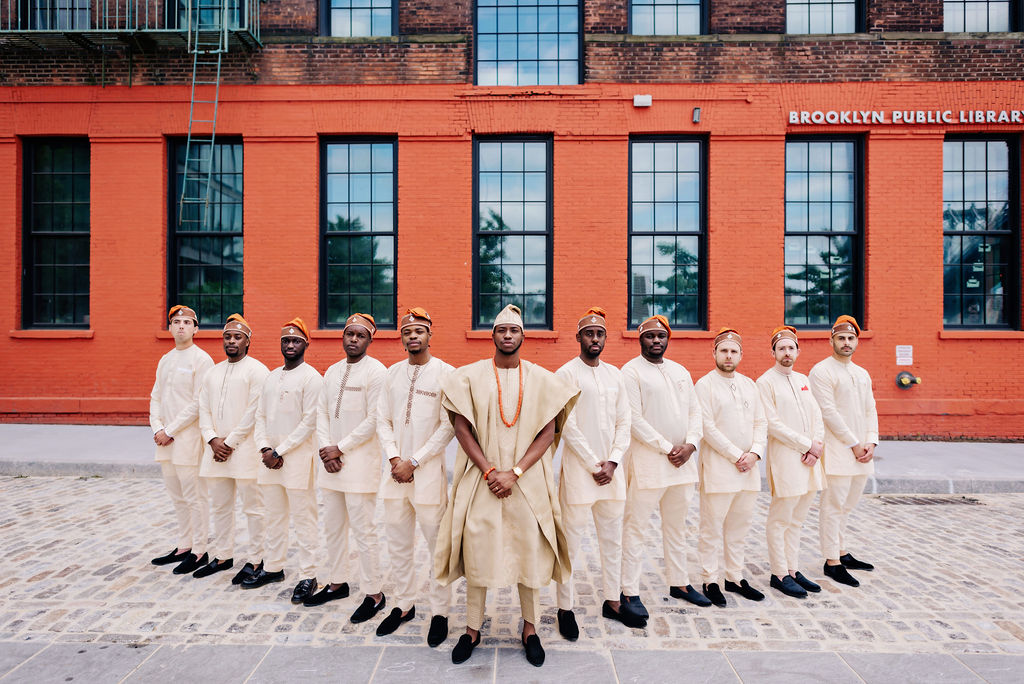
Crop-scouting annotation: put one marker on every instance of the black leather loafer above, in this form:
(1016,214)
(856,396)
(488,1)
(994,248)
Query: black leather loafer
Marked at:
(464,648)
(567,626)
(806,583)
(635,605)
(626,617)
(788,586)
(394,620)
(247,571)
(326,594)
(214,566)
(304,589)
(262,577)
(745,590)
(688,593)
(838,573)
(191,564)
(172,557)
(852,563)
(367,609)
(438,631)
(714,594)
(534,651)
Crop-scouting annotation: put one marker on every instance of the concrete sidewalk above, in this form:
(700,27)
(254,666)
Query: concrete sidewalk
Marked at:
(118,451)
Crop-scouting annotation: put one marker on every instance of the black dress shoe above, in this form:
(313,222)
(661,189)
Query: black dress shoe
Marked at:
(247,571)
(326,594)
(394,620)
(839,574)
(567,626)
(172,557)
(635,605)
(806,583)
(714,594)
(626,617)
(438,631)
(534,651)
(745,590)
(191,564)
(464,648)
(367,609)
(261,577)
(304,589)
(852,563)
(214,566)
(688,593)
(788,586)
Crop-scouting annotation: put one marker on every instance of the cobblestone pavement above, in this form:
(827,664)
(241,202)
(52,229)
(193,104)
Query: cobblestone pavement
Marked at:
(76,571)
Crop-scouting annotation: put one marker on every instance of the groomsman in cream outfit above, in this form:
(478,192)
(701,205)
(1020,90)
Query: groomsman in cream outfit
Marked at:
(666,429)
(591,485)
(795,442)
(843,391)
(735,435)
(413,431)
(285,434)
(349,475)
(173,416)
(227,416)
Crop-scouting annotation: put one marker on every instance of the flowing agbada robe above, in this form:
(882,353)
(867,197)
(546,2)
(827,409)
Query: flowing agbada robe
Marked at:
(843,391)
(286,422)
(496,542)
(794,420)
(174,404)
(227,408)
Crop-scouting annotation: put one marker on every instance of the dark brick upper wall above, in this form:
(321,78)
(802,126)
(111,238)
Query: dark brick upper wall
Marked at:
(426,16)
(606,16)
(290,17)
(905,15)
(753,16)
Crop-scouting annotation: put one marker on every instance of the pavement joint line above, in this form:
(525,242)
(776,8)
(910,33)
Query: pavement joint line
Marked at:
(26,660)
(249,676)
(376,666)
(728,660)
(849,667)
(144,661)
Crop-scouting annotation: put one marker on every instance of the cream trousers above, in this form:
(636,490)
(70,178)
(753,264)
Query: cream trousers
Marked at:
(222,492)
(837,501)
(786,515)
(342,511)
(724,522)
(400,516)
(673,503)
(607,515)
(476,600)
(188,495)
(280,504)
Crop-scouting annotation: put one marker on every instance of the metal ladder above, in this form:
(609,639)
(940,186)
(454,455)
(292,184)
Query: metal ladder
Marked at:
(206,24)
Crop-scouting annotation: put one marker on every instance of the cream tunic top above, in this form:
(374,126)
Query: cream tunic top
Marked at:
(174,404)
(794,422)
(665,412)
(734,423)
(843,391)
(228,399)
(286,422)
(597,430)
(347,418)
(412,424)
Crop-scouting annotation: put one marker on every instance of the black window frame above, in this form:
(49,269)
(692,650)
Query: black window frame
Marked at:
(705,21)
(1016,18)
(28,263)
(324,22)
(29,10)
(859,265)
(173,234)
(1012,299)
(702,234)
(548,139)
(322,289)
(580,51)
(860,20)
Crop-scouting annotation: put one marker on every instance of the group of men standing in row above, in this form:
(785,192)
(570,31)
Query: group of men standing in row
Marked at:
(236,429)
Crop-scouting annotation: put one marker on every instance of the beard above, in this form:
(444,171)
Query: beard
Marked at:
(509,353)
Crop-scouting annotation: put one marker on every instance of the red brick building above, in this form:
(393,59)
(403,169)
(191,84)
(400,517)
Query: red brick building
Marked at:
(722,162)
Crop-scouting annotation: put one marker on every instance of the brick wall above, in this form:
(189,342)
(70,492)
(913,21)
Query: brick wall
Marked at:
(738,16)
(900,15)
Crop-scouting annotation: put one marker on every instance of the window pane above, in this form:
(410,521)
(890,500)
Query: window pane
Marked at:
(527,42)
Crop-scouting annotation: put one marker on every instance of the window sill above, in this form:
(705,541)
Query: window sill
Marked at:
(338,333)
(42,334)
(530,334)
(981,334)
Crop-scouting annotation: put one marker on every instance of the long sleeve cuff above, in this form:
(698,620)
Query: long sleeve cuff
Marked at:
(208,435)
(735,453)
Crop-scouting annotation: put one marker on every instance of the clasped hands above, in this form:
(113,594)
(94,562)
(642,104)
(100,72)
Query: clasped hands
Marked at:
(606,469)
(681,454)
(331,457)
(402,470)
(221,451)
(813,454)
(747,461)
(864,452)
(500,483)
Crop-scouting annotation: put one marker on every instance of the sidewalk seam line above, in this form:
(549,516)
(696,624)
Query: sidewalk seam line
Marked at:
(16,667)
(854,671)
(376,666)
(264,657)
(144,661)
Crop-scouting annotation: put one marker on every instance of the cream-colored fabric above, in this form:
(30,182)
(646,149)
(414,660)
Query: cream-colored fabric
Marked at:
(222,492)
(672,503)
(665,413)
(300,506)
(837,502)
(510,315)
(347,418)
(228,399)
(174,404)
(724,522)
(286,422)
(597,430)
(786,516)
(843,391)
(344,512)
(412,424)
(734,423)
(794,422)
(476,602)
(188,495)
(517,540)
(607,516)
(400,516)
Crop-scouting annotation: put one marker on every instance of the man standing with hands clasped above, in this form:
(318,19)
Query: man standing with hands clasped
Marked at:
(596,440)
(843,391)
(666,429)
(735,433)
(795,444)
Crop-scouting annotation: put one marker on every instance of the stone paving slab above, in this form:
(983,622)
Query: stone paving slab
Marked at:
(996,669)
(80,662)
(650,666)
(786,668)
(219,663)
(889,668)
